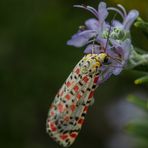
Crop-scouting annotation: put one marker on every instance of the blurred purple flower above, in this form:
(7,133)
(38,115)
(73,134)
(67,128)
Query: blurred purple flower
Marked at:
(100,36)
(94,27)
(128,19)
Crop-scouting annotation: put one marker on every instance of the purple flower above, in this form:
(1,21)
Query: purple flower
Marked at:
(128,19)
(113,38)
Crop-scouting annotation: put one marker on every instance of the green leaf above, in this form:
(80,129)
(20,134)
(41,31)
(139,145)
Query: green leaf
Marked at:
(138,60)
(138,129)
(142,80)
(139,50)
(138,101)
(142,24)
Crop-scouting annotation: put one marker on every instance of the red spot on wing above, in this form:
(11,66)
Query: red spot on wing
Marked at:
(86,109)
(68,84)
(53,127)
(76,88)
(60,107)
(64,136)
(52,113)
(81,121)
(85,79)
(91,94)
(73,107)
(79,96)
(68,96)
(73,135)
(77,71)
(66,118)
(96,79)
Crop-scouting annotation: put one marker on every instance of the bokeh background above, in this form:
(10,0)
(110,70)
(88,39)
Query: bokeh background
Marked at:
(35,61)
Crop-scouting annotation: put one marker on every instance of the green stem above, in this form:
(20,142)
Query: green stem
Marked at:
(137,59)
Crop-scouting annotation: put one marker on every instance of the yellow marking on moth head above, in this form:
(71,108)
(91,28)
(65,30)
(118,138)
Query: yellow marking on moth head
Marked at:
(97,65)
(102,57)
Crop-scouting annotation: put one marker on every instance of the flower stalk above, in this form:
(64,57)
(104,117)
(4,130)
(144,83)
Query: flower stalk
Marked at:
(137,59)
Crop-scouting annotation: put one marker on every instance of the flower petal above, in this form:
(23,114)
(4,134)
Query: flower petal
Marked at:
(81,38)
(123,48)
(131,17)
(101,41)
(105,75)
(92,24)
(117,24)
(92,49)
(126,47)
(117,70)
(102,11)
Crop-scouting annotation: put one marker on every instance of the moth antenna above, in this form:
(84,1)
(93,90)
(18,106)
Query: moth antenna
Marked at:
(109,32)
(116,66)
(108,38)
(116,59)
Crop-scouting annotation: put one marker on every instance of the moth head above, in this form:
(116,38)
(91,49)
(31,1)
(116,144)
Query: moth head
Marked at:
(104,58)
(91,64)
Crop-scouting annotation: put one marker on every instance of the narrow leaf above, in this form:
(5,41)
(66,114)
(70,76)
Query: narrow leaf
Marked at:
(138,129)
(142,80)
(138,101)
(142,24)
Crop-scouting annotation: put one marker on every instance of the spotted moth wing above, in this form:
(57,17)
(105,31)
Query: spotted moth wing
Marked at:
(68,110)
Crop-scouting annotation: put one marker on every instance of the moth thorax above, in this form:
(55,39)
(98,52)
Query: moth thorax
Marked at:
(91,63)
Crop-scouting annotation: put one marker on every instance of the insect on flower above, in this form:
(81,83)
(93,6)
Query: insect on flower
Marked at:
(106,54)
(68,110)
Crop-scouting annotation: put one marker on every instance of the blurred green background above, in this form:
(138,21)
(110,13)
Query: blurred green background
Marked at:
(35,61)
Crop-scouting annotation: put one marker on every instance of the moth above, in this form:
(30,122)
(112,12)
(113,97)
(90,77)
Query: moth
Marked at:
(70,105)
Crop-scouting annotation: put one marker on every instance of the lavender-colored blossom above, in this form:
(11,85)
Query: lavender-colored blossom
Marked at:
(100,36)
(128,19)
